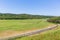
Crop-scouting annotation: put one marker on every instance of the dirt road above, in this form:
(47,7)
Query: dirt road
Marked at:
(29,33)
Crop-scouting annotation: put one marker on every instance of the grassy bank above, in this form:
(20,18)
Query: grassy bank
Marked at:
(48,35)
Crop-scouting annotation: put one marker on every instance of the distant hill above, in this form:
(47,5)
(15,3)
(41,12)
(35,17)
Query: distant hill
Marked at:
(22,16)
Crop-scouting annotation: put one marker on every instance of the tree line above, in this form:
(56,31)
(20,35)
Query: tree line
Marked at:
(21,16)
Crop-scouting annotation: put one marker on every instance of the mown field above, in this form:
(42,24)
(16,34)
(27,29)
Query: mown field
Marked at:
(48,35)
(22,25)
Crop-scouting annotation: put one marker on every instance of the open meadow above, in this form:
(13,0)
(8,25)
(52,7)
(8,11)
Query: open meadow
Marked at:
(48,35)
(21,25)
(11,27)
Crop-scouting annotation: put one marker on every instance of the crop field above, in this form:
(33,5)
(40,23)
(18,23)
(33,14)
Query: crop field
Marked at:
(21,25)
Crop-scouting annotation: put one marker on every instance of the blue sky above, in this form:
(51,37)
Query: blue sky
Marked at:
(36,7)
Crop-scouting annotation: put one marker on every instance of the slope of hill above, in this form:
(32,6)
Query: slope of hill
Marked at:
(21,16)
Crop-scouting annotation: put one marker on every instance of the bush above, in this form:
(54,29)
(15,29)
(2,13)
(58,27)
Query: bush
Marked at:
(54,20)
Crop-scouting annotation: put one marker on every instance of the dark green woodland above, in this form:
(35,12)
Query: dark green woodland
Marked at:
(10,16)
(6,16)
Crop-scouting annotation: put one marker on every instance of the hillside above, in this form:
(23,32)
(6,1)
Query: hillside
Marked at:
(22,16)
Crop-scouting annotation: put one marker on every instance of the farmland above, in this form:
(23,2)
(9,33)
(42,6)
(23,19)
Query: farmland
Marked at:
(22,25)
(11,27)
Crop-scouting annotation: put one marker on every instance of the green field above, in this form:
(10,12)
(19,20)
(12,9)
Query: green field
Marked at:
(22,25)
(30,24)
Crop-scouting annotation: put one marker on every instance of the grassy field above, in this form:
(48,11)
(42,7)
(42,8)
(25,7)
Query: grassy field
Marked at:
(25,25)
(22,25)
(48,35)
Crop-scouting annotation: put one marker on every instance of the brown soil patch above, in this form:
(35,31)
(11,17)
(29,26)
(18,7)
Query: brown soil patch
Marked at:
(12,33)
